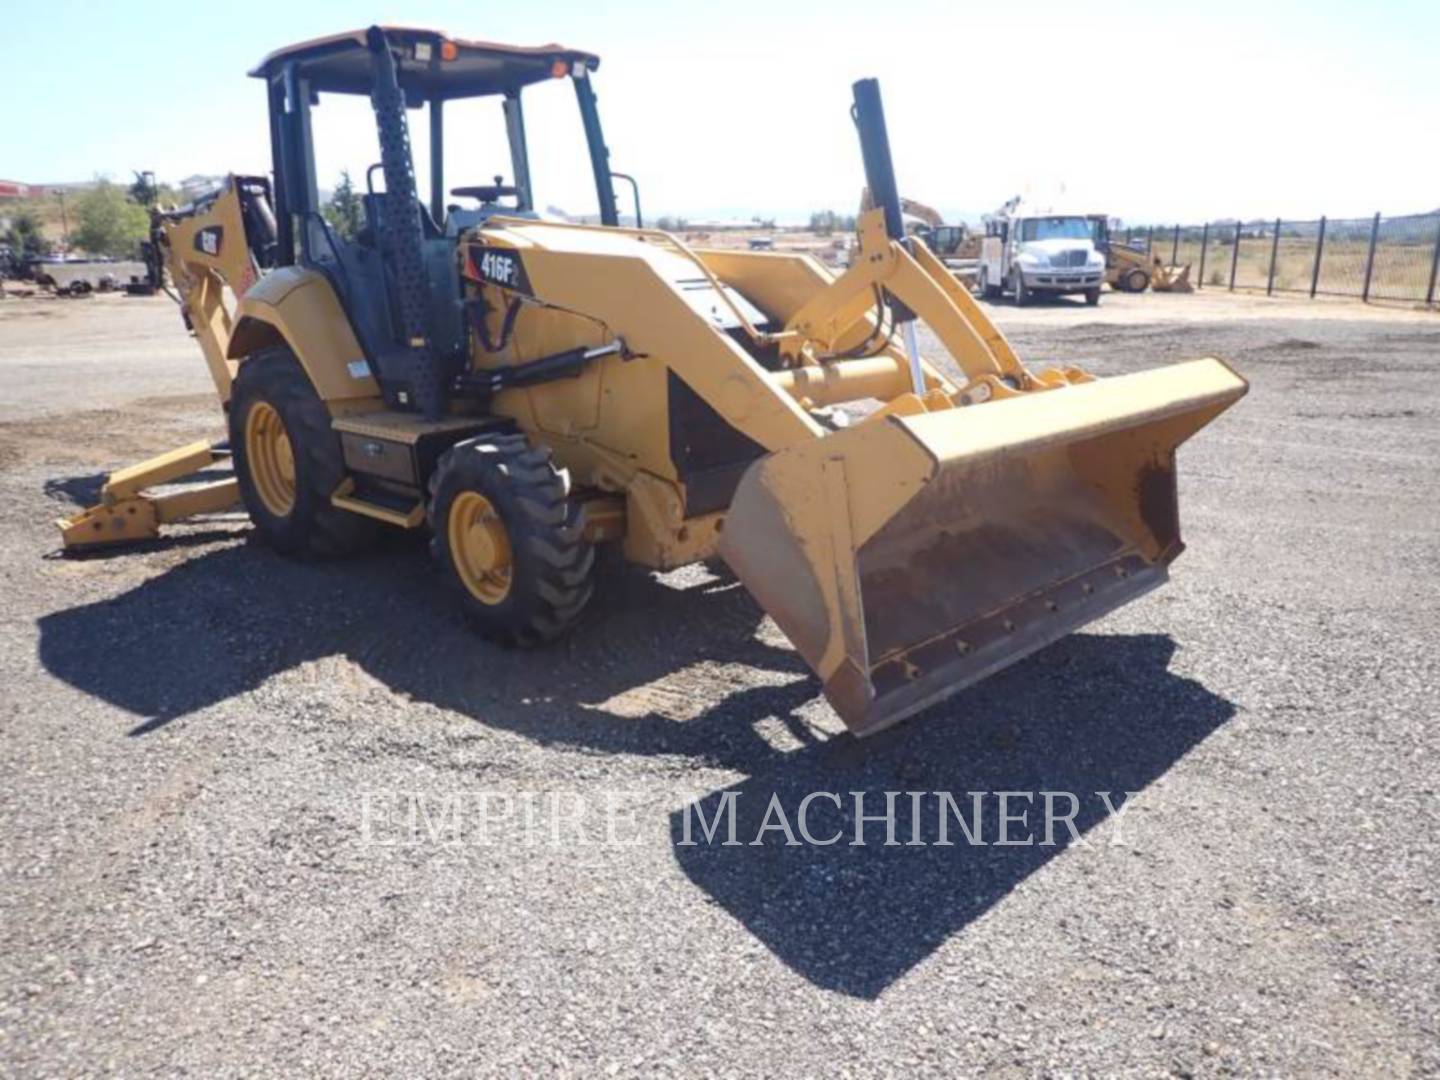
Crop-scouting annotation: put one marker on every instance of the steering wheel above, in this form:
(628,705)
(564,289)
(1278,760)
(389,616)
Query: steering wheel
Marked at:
(486,193)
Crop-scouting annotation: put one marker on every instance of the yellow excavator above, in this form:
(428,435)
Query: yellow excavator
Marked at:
(527,388)
(925,223)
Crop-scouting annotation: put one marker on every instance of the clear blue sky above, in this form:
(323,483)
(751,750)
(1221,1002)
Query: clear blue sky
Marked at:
(1212,109)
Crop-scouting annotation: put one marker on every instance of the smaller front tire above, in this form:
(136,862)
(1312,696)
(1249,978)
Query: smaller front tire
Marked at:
(509,540)
(1022,291)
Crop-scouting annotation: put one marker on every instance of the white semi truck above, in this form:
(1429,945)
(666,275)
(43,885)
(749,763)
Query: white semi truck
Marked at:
(1031,251)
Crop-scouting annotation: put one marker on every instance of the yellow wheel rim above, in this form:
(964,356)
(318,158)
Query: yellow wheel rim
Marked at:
(480,547)
(271,460)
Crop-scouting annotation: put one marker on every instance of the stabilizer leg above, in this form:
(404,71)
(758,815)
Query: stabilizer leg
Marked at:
(125,514)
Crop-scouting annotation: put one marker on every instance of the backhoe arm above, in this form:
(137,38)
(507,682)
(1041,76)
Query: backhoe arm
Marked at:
(206,247)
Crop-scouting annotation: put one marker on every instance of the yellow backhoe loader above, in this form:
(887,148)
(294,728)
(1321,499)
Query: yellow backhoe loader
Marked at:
(528,388)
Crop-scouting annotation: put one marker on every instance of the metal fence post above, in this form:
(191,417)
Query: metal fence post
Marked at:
(1434,264)
(1274,251)
(1235,256)
(1150,240)
(1319,251)
(1370,258)
(1175,247)
(1204,243)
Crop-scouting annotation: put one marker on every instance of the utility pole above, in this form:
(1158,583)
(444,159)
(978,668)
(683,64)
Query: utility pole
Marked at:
(64,221)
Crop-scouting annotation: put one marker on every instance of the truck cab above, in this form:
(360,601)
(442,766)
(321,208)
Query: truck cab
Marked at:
(1029,251)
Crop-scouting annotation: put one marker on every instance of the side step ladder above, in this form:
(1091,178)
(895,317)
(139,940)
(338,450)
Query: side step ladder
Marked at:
(389,507)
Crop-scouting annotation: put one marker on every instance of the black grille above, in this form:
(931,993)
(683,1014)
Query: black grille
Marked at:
(1069,258)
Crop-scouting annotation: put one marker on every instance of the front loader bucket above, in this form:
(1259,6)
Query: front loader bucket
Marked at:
(1174,279)
(908,557)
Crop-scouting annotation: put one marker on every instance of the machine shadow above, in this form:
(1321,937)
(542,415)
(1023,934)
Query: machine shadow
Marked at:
(1092,713)
(222,623)
(80,490)
(83,489)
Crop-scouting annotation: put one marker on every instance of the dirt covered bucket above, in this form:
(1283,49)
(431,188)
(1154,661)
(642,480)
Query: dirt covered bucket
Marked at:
(908,557)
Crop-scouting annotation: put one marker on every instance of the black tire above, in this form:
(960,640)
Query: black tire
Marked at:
(551,577)
(1137,281)
(1022,292)
(1092,296)
(312,526)
(988,291)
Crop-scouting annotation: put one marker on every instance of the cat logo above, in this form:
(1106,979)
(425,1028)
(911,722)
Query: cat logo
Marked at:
(207,240)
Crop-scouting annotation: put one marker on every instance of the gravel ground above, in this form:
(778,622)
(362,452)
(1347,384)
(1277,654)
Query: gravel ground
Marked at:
(212,756)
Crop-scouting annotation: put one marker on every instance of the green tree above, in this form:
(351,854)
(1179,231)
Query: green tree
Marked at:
(107,223)
(24,236)
(343,211)
(825,222)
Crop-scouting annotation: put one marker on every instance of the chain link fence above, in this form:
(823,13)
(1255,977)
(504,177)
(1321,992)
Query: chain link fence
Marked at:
(1375,258)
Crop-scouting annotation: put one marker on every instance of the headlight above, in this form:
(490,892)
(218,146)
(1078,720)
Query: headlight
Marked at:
(1030,258)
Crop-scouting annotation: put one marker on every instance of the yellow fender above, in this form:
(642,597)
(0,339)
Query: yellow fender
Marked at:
(297,307)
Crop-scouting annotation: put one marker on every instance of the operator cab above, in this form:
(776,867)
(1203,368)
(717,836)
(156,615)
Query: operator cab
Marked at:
(428,70)
(432,69)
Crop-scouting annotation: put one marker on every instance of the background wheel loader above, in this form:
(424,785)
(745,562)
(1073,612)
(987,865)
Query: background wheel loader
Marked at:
(528,389)
(1131,269)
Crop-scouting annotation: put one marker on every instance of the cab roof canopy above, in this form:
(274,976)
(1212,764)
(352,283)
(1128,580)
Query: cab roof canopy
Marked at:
(431,65)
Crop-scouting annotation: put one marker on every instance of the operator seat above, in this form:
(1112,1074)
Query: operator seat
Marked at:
(446,315)
(373,203)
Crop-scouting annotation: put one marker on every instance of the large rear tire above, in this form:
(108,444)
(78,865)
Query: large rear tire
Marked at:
(509,539)
(288,459)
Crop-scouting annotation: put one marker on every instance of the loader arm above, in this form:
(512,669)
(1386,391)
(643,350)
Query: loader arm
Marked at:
(911,274)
